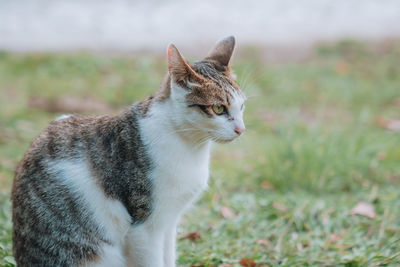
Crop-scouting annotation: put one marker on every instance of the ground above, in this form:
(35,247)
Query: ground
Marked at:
(313,182)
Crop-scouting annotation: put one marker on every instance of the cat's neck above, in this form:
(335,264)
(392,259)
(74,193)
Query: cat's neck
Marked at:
(162,124)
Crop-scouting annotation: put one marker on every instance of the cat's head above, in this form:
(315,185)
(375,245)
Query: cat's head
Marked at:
(206,94)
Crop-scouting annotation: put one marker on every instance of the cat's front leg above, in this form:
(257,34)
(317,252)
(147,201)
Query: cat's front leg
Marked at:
(170,247)
(144,247)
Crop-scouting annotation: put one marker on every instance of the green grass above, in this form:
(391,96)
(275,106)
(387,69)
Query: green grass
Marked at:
(312,151)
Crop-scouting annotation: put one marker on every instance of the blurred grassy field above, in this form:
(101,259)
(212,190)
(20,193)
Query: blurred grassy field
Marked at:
(319,141)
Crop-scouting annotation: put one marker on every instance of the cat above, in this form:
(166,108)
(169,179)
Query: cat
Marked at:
(110,190)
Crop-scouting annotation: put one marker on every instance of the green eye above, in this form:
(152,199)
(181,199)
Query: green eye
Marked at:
(218,109)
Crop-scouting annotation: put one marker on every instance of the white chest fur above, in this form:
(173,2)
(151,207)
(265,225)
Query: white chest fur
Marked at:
(180,171)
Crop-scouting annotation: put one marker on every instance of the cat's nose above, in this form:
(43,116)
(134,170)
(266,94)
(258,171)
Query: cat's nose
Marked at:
(239,130)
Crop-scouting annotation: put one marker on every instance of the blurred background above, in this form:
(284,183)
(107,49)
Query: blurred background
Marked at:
(132,25)
(315,181)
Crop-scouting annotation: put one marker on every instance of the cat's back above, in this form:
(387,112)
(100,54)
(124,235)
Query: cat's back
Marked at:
(60,139)
(63,139)
(75,137)
(50,226)
(71,187)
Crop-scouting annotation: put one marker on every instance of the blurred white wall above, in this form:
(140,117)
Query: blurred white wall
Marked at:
(27,25)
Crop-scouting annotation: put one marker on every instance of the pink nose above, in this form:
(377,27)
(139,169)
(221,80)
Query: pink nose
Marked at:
(239,130)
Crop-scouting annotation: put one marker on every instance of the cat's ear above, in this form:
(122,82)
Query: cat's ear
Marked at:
(222,51)
(178,67)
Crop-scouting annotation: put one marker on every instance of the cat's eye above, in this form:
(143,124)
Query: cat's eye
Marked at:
(218,109)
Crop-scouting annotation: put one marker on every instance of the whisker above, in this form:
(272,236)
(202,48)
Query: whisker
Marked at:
(202,141)
(251,97)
